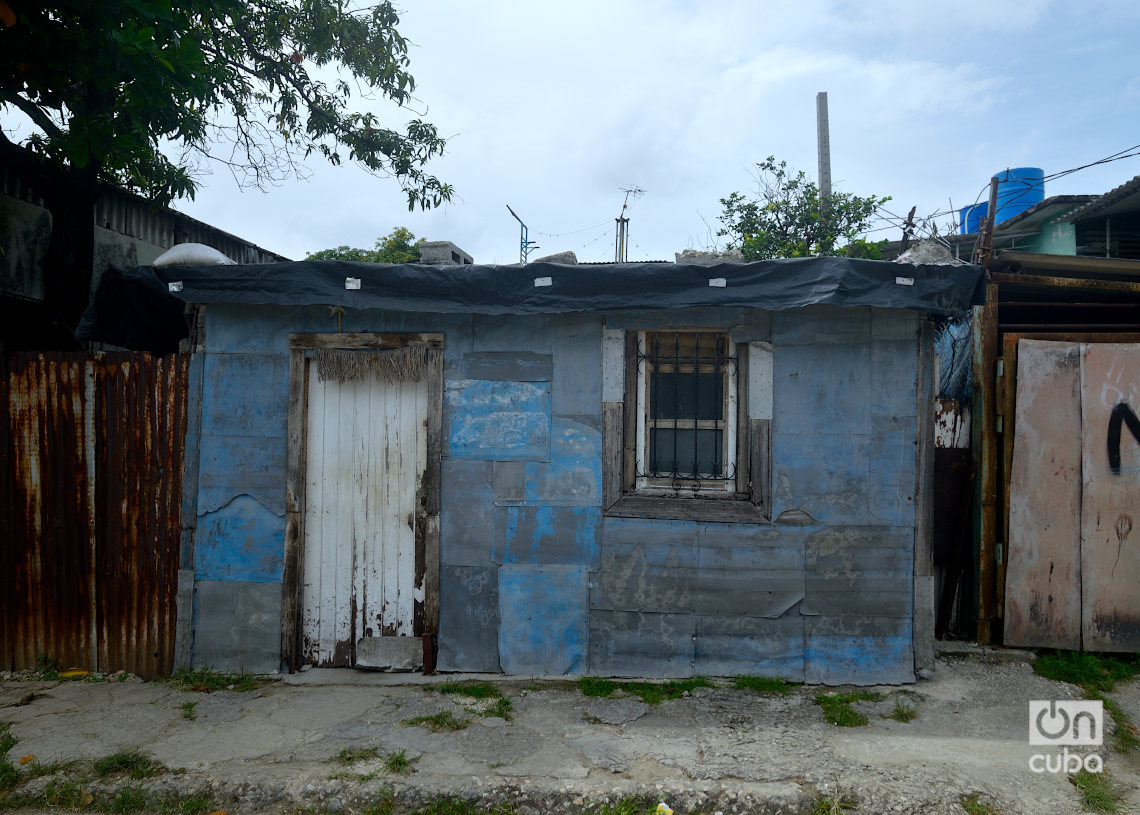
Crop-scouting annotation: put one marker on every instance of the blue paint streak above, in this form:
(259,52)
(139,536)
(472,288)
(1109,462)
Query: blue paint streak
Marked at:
(498,420)
(241,541)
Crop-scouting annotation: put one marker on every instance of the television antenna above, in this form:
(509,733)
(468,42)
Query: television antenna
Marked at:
(525,245)
(621,233)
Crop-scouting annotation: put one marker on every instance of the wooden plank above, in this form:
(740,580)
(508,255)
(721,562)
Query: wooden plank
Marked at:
(983,427)
(1042,592)
(724,510)
(629,433)
(613,452)
(375,341)
(1110,504)
(294,517)
(431,480)
(760,453)
(743,450)
(1006,411)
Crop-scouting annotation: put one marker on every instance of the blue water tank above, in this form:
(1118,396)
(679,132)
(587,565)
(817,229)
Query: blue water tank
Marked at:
(1018,190)
(971,217)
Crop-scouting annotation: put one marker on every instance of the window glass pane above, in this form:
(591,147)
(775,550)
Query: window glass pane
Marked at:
(685,453)
(686,396)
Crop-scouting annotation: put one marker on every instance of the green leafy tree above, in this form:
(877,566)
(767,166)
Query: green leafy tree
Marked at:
(398,246)
(144,93)
(785,220)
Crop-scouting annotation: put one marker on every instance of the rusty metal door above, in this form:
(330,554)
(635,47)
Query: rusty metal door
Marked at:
(365,460)
(91,490)
(1073,561)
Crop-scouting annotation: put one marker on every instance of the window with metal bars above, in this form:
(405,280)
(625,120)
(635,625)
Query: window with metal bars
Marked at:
(687,412)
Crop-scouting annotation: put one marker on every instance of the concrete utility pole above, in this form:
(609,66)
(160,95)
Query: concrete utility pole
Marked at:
(824,140)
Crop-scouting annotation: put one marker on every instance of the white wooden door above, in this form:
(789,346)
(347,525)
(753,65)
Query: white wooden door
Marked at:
(365,457)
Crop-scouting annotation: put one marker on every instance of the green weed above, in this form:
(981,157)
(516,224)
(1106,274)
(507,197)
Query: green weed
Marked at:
(652,693)
(973,805)
(196,803)
(9,775)
(126,799)
(444,720)
(382,805)
(207,681)
(65,793)
(837,707)
(348,755)
(902,712)
(134,763)
(38,769)
(764,684)
(1097,794)
(398,763)
(188,710)
(472,690)
(49,667)
(1091,671)
(630,805)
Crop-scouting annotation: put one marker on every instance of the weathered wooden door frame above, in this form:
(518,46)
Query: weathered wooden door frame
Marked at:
(301,346)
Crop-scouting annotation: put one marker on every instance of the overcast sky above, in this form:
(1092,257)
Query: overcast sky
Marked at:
(554,108)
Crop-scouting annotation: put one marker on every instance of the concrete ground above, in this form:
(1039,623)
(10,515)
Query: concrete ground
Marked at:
(717,751)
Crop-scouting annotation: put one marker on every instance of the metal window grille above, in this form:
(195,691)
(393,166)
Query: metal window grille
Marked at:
(687,410)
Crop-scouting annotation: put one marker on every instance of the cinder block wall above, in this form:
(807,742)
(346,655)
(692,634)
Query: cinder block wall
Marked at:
(533,578)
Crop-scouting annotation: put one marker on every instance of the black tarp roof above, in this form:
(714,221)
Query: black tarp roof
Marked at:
(142,308)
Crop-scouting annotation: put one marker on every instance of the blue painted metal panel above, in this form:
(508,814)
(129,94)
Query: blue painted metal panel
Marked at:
(577,386)
(191,459)
(517,366)
(237,626)
(730,646)
(653,569)
(538,535)
(242,465)
(466,513)
(821,325)
(858,650)
(517,332)
(891,480)
(543,619)
(469,618)
(498,420)
(630,643)
(245,395)
(241,541)
(893,383)
(822,475)
(822,390)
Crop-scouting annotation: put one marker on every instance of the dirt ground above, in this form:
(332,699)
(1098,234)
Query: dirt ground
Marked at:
(718,750)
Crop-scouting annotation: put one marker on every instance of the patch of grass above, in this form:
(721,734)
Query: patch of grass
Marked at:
(348,755)
(652,693)
(9,775)
(630,805)
(1091,671)
(188,710)
(596,686)
(1096,674)
(1097,794)
(472,690)
(134,763)
(196,803)
(500,708)
(382,805)
(207,681)
(902,712)
(126,799)
(446,805)
(973,805)
(65,793)
(49,667)
(38,769)
(398,763)
(444,720)
(837,707)
(764,684)
(834,804)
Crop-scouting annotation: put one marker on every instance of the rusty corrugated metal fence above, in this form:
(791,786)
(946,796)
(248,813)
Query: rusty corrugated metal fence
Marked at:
(91,485)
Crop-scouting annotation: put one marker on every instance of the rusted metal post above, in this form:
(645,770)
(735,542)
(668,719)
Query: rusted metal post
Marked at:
(986,245)
(984,444)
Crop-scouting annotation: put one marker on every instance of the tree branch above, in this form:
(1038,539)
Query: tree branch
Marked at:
(41,119)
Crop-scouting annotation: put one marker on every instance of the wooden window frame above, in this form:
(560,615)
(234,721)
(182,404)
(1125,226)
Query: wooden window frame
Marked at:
(751,500)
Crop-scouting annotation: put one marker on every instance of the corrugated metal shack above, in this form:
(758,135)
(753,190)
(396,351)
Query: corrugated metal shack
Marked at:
(634,469)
